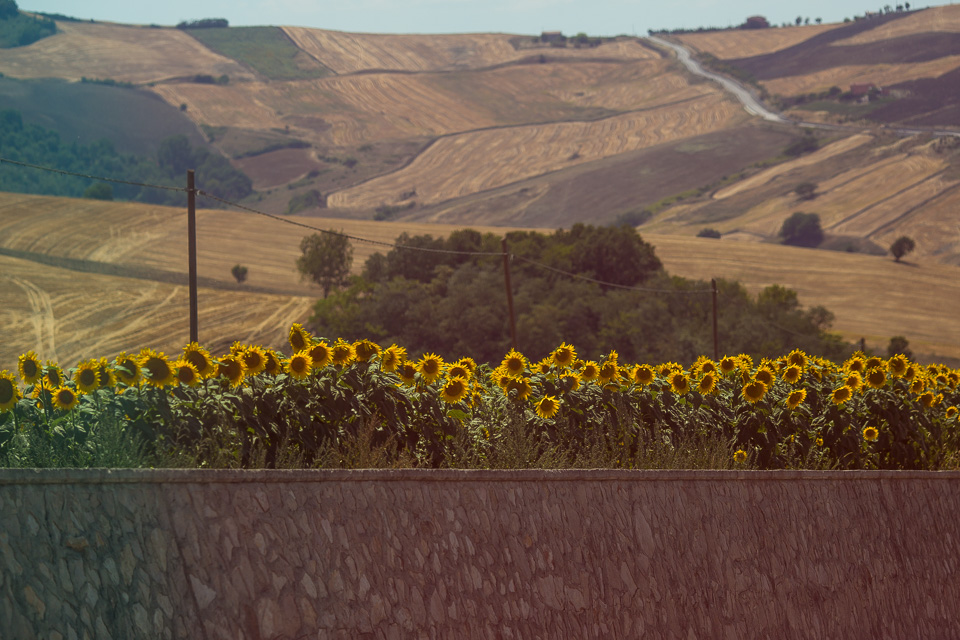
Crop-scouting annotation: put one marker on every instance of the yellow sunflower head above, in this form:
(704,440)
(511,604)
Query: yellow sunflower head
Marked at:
(872,363)
(853,380)
(798,358)
(365,349)
(728,364)
(300,364)
(200,359)
(454,390)
(570,381)
(609,372)
(52,376)
(766,376)
(745,362)
(928,399)
(708,383)
(951,413)
(521,386)
(870,434)
(796,398)
(87,376)
(643,374)
(679,383)
(467,363)
(792,373)
(320,354)
(430,366)
(299,338)
(911,372)
(739,456)
(841,394)
(342,352)
(590,371)
(855,364)
(897,365)
(754,391)
(564,355)
(876,378)
(106,377)
(953,379)
(407,371)
(231,367)
(514,363)
(544,367)
(65,399)
(9,391)
(30,367)
(702,365)
(127,368)
(156,369)
(547,407)
(392,357)
(186,373)
(457,370)
(273,365)
(254,360)
(917,386)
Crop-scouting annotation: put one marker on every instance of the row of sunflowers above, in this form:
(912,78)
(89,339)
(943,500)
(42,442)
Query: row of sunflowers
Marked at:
(263,407)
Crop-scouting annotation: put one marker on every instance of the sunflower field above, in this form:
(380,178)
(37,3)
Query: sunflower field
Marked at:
(336,404)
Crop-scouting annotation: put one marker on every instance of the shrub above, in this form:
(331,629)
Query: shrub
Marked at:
(802,230)
(708,233)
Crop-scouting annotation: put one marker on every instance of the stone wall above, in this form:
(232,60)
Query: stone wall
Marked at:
(471,554)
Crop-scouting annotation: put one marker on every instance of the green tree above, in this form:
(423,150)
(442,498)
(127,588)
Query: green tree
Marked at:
(99,191)
(806,190)
(8,9)
(239,272)
(708,233)
(326,259)
(802,230)
(901,247)
(899,345)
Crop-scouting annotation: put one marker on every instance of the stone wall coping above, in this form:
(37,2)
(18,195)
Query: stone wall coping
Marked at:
(273,476)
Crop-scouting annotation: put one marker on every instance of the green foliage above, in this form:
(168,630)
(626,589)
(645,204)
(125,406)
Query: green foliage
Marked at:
(388,211)
(266,50)
(311,199)
(802,230)
(19,30)
(326,258)
(239,272)
(99,191)
(806,190)
(799,147)
(708,233)
(214,173)
(204,23)
(899,345)
(901,247)
(107,82)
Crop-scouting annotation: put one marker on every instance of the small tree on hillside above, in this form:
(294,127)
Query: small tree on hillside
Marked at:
(899,345)
(326,259)
(239,272)
(802,230)
(806,190)
(901,247)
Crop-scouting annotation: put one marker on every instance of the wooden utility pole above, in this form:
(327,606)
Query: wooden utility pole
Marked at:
(192,254)
(716,334)
(506,278)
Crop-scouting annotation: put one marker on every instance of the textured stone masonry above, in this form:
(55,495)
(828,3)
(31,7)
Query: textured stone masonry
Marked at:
(257,555)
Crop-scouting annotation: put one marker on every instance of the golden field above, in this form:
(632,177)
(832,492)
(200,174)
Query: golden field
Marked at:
(932,20)
(878,74)
(744,44)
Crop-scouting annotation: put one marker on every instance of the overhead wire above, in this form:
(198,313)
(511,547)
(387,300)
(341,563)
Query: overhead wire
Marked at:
(84,175)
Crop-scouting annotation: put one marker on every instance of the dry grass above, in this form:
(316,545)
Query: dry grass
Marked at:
(934,19)
(459,165)
(872,297)
(878,74)
(738,43)
(353,52)
(126,53)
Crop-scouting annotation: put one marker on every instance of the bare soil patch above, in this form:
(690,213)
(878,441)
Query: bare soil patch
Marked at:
(279,167)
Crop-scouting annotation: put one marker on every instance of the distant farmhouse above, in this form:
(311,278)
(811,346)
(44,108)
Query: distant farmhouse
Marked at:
(552,36)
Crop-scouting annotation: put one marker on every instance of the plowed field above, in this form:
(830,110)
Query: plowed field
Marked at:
(125,53)
(932,20)
(882,75)
(743,43)
(463,164)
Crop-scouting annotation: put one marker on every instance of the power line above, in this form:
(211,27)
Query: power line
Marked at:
(84,175)
(607,284)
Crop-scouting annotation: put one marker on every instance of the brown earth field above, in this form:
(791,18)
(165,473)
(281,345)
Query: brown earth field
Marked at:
(280,167)
(121,52)
(743,43)
(70,314)
(934,19)
(600,191)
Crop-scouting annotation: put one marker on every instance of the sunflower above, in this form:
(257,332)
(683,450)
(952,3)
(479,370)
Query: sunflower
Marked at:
(796,398)
(897,365)
(728,364)
(9,392)
(739,456)
(522,386)
(928,399)
(342,352)
(853,380)
(514,363)
(365,350)
(156,368)
(703,365)
(917,386)
(272,366)
(679,383)
(841,394)
(52,376)
(200,359)
(951,413)
(609,372)
(86,376)
(766,376)
(798,358)
(300,364)
(30,368)
(430,367)
(299,338)
(754,391)
(106,378)
(942,380)
(570,381)
(254,360)
(186,373)
(457,370)
(454,390)
(564,355)
(127,368)
(667,369)
(745,362)
(547,407)
(870,434)
(643,374)
(911,372)
(954,379)
(590,371)
(876,378)
(231,367)
(65,399)
(320,355)
(467,362)
(855,364)
(544,366)
(407,372)
(501,377)
(392,357)
(708,383)
(793,373)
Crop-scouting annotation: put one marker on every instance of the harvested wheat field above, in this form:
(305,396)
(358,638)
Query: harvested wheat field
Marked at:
(881,75)
(123,53)
(354,52)
(872,297)
(68,316)
(743,43)
(932,20)
(459,165)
